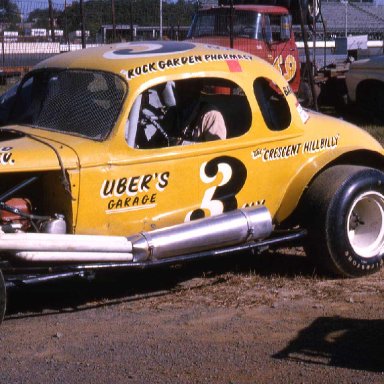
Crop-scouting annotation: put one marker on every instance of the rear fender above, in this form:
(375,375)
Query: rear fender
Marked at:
(308,172)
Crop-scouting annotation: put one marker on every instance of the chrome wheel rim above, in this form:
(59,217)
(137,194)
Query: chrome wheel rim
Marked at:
(366,224)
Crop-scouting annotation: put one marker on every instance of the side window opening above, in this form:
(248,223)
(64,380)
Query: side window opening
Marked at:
(272,103)
(189,111)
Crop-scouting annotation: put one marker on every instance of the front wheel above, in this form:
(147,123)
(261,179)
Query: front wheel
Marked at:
(3,297)
(344,215)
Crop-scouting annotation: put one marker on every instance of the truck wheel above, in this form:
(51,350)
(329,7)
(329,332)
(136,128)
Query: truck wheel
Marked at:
(344,216)
(3,297)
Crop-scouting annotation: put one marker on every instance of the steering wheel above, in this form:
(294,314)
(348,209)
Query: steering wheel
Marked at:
(149,119)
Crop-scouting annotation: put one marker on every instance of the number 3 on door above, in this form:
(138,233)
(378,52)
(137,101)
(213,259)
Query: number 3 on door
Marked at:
(228,176)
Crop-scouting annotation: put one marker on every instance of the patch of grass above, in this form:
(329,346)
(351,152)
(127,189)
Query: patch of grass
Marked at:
(352,114)
(377,131)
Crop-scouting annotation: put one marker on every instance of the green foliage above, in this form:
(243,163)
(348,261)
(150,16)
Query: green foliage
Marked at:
(40,17)
(99,12)
(9,12)
(179,13)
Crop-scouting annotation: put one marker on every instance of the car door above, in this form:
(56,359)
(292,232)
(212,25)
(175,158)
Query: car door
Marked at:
(166,176)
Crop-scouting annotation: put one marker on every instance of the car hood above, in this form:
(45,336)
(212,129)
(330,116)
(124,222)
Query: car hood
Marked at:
(376,62)
(21,151)
(349,137)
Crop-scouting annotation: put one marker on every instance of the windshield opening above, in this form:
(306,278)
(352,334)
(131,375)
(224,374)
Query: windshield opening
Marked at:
(217,22)
(79,102)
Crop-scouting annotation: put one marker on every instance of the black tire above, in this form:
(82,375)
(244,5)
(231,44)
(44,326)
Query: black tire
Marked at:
(3,297)
(344,216)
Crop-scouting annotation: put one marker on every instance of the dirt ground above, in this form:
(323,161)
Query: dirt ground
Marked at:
(245,319)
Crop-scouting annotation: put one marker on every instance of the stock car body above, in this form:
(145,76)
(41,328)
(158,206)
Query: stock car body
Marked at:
(97,172)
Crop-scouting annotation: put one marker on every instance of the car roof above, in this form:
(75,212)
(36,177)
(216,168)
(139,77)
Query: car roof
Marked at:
(373,62)
(262,8)
(155,58)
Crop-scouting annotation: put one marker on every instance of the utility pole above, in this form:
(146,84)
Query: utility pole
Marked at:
(345,2)
(161,19)
(66,25)
(83,44)
(51,21)
(131,19)
(113,21)
(2,50)
(231,11)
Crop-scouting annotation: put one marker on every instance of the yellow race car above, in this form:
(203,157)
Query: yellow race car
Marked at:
(149,153)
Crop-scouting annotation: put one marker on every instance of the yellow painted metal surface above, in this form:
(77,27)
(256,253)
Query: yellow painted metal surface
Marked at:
(118,189)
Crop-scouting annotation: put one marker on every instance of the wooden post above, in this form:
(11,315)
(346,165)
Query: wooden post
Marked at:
(161,19)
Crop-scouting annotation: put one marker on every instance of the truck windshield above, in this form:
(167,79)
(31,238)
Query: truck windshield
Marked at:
(216,22)
(79,102)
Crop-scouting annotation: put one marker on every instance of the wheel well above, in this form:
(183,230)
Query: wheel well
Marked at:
(367,86)
(361,158)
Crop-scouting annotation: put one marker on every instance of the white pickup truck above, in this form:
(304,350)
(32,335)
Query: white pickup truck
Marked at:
(365,84)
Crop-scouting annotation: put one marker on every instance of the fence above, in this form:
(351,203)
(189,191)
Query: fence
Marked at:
(31,31)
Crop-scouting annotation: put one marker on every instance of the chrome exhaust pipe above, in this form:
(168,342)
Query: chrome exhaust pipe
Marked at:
(215,232)
(63,243)
(230,228)
(74,257)
(44,247)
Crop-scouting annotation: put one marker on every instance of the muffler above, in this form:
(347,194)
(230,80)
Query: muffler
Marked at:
(215,232)
(230,228)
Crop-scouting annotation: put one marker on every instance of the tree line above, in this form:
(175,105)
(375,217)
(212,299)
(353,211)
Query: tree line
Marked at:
(98,12)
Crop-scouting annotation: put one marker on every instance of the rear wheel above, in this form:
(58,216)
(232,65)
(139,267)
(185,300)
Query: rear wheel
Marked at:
(344,215)
(3,297)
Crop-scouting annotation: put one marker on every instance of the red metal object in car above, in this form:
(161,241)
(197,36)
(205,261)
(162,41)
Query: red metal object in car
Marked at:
(19,205)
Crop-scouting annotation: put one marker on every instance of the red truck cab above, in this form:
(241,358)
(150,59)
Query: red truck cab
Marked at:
(262,30)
